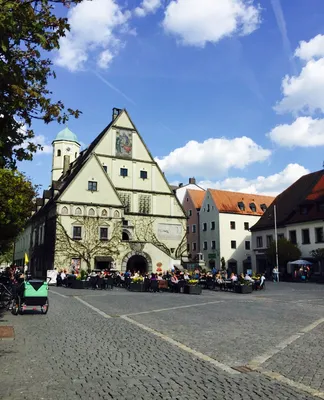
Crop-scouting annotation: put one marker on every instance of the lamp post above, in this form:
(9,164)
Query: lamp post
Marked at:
(276,239)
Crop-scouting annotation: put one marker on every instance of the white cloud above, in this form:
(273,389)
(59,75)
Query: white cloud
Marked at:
(196,22)
(304,93)
(147,7)
(312,49)
(105,59)
(303,132)
(270,185)
(212,157)
(95,26)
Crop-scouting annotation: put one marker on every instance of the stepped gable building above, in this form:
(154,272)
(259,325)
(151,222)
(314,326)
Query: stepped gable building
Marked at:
(108,206)
(225,221)
(300,216)
(192,204)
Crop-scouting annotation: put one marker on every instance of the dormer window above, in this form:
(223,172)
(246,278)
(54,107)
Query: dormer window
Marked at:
(253,207)
(303,210)
(241,205)
(263,207)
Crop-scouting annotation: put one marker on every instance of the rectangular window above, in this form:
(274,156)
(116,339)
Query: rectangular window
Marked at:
(193,228)
(305,236)
(189,213)
(259,241)
(92,186)
(188,228)
(77,232)
(233,244)
(319,238)
(213,244)
(247,245)
(232,224)
(212,225)
(246,226)
(144,206)
(105,168)
(103,233)
(123,172)
(204,226)
(194,246)
(293,237)
(281,236)
(269,240)
(205,245)
(208,207)
(188,247)
(143,174)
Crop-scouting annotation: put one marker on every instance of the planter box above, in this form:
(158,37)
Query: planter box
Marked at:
(76,284)
(243,289)
(136,287)
(193,289)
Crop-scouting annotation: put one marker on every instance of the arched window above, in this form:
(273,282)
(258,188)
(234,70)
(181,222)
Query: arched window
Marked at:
(64,211)
(104,213)
(75,155)
(116,214)
(92,212)
(58,153)
(125,236)
(78,211)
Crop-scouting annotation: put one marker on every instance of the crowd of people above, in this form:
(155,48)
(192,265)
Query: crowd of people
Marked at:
(107,279)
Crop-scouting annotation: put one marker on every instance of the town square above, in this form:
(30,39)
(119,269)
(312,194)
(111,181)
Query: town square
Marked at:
(161,199)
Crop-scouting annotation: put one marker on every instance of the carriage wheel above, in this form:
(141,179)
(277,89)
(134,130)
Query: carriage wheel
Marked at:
(44,308)
(15,305)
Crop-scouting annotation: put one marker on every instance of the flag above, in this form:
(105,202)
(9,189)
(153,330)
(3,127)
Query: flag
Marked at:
(26,259)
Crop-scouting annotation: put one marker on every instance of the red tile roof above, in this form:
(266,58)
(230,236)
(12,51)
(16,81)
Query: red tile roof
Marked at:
(228,202)
(197,196)
(298,203)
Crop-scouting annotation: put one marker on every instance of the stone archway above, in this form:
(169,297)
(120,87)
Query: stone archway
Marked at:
(137,261)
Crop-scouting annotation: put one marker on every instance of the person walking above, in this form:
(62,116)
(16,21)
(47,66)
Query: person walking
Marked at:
(275,274)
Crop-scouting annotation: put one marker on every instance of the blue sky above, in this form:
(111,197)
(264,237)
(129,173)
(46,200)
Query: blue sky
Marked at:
(228,91)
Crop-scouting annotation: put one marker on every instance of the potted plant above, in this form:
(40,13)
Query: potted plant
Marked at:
(192,287)
(78,283)
(137,284)
(243,287)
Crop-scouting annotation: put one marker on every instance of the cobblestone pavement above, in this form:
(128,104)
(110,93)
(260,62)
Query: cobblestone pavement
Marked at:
(76,352)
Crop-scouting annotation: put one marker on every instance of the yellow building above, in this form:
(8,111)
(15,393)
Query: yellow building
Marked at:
(108,206)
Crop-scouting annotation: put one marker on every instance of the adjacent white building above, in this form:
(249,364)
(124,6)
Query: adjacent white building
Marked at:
(299,215)
(225,221)
(107,204)
(181,189)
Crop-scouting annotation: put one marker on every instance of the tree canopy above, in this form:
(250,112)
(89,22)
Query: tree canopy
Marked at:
(287,251)
(28,29)
(16,204)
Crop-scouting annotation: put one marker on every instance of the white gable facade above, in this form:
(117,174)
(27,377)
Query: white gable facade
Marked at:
(112,208)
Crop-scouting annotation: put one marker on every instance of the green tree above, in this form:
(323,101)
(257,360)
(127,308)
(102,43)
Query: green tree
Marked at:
(287,251)
(7,256)
(318,255)
(16,204)
(28,29)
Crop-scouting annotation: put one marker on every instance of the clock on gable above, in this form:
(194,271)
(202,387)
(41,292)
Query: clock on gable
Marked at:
(68,149)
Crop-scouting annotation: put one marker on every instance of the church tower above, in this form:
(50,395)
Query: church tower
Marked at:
(66,149)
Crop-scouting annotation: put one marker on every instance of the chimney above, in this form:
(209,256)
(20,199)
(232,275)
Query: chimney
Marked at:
(192,181)
(66,164)
(116,112)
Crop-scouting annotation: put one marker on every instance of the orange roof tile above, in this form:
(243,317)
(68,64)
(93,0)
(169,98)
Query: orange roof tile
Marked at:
(227,202)
(197,196)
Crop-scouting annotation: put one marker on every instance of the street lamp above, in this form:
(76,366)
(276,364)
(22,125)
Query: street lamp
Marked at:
(276,239)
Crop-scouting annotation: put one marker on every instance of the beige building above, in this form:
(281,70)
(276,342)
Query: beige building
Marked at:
(108,206)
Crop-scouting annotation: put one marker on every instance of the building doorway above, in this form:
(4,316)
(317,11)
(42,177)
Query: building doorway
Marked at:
(232,267)
(103,262)
(137,263)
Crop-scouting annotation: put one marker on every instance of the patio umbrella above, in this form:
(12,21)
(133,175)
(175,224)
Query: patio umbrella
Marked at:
(301,262)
